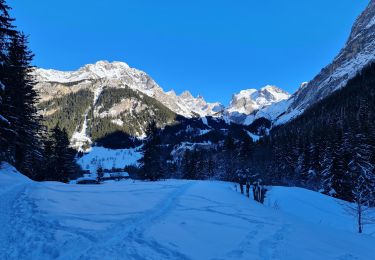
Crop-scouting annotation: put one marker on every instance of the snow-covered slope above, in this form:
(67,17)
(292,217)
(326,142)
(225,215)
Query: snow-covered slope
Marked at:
(10,177)
(251,103)
(316,208)
(358,51)
(109,158)
(53,83)
(161,220)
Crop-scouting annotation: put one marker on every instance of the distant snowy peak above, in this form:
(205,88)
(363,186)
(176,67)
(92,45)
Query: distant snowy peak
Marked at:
(54,83)
(249,100)
(250,104)
(119,74)
(101,69)
(199,106)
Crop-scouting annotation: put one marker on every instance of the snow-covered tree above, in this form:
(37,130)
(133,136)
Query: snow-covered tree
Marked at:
(361,206)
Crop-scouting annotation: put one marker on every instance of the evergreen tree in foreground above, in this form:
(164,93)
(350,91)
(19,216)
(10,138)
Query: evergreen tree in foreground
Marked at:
(20,106)
(19,122)
(6,32)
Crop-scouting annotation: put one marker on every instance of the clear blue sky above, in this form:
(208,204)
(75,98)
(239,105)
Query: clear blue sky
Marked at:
(210,47)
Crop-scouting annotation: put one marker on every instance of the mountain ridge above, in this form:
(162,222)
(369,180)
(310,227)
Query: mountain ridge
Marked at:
(358,51)
(119,74)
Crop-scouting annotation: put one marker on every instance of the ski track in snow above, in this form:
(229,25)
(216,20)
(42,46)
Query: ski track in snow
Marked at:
(163,220)
(129,237)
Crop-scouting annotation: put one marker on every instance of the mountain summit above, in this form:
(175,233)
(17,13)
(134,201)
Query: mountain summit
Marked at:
(247,103)
(54,83)
(358,51)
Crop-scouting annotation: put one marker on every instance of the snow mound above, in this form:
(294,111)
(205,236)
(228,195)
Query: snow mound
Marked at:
(9,176)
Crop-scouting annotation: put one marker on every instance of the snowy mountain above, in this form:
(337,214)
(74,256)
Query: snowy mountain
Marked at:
(269,102)
(53,83)
(250,103)
(102,98)
(358,51)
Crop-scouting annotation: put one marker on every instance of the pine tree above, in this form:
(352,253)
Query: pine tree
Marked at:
(190,165)
(230,160)
(60,157)
(20,106)
(6,32)
(151,168)
(244,159)
(99,173)
(210,165)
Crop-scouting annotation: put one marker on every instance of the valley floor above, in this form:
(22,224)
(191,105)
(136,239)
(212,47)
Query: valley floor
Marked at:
(164,220)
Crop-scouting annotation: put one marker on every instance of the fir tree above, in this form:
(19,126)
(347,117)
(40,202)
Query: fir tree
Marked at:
(230,160)
(60,157)
(151,168)
(6,32)
(20,106)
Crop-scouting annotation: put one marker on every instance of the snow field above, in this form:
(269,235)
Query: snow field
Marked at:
(172,219)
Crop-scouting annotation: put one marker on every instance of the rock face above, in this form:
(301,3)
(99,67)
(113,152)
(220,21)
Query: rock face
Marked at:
(53,83)
(358,51)
(102,98)
(249,104)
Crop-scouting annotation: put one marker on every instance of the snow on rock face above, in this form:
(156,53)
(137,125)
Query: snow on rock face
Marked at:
(246,104)
(100,69)
(119,74)
(251,99)
(358,51)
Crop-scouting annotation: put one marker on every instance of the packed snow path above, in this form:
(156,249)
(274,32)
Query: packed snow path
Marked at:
(161,220)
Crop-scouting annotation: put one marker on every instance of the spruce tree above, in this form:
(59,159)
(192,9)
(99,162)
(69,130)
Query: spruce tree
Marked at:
(210,165)
(20,106)
(60,157)
(190,165)
(244,159)
(151,168)
(6,129)
(230,160)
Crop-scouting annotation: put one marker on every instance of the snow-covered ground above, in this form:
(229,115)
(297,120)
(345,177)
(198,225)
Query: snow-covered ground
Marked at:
(166,220)
(316,208)
(109,158)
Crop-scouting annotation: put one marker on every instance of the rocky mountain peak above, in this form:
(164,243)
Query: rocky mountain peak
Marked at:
(186,95)
(54,83)
(358,51)
(249,100)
